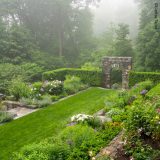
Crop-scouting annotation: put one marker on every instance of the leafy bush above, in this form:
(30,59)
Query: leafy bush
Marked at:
(47,87)
(5,117)
(37,103)
(29,72)
(73,84)
(117,115)
(53,87)
(136,77)
(154,92)
(19,89)
(44,102)
(144,121)
(43,151)
(139,151)
(139,87)
(82,140)
(90,77)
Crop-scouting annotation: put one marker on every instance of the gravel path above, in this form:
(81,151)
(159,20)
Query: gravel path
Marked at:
(20,112)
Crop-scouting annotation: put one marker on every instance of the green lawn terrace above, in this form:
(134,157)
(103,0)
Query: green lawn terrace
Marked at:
(49,121)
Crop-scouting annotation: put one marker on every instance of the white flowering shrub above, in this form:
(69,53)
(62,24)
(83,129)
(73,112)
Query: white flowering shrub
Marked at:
(47,87)
(53,87)
(81,118)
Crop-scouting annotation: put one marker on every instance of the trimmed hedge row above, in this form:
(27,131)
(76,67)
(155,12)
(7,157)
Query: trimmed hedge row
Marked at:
(91,77)
(136,77)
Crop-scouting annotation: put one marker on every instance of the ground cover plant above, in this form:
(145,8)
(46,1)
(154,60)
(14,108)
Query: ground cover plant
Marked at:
(41,94)
(49,121)
(143,127)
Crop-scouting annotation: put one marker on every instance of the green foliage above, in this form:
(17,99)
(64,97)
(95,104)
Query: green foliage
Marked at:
(125,98)
(19,89)
(78,135)
(29,72)
(73,84)
(142,125)
(154,92)
(5,117)
(136,77)
(47,87)
(50,121)
(145,85)
(117,115)
(141,151)
(53,87)
(148,48)
(122,44)
(65,36)
(43,151)
(90,77)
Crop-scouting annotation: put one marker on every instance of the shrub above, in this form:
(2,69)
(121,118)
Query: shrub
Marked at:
(138,151)
(90,77)
(81,118)
(43,151)
(5,117)
(136,77)
(82,140)
(29,72)
(139,87)
(19,89)
(117,115)
(144,121)
(154,92)
(53,87)
(43,102)
(73,84)
(47,87)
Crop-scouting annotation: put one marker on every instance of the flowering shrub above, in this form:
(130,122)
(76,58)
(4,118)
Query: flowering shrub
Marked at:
(144,92)
(47,87)
(53,87)
(81,118)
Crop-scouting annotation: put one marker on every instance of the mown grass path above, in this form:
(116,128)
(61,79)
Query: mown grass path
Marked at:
(49,121)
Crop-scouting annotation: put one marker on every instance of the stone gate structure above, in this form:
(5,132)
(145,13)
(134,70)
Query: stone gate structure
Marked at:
(122,63)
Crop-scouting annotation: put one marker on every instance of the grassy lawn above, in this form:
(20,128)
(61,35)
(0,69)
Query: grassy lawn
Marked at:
(49,121)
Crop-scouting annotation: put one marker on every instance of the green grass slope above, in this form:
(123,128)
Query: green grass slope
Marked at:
(49,121)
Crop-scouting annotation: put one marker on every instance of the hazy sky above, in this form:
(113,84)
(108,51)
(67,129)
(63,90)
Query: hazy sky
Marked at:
(116,11)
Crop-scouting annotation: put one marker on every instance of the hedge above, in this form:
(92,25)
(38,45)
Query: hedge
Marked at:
(91,77)
(136,77)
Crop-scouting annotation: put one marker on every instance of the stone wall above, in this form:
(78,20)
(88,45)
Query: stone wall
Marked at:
(122,63)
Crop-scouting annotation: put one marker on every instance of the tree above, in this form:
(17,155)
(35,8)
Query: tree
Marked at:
(59,27)
(122,44)
(148,47)
(148,50)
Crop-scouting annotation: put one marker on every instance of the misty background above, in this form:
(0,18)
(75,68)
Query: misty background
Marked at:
(116,11)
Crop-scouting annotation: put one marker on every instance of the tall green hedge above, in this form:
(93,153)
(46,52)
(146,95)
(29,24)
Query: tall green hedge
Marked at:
(91,77)
(136,77)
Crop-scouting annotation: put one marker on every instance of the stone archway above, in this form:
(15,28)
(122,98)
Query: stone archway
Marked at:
(122,63)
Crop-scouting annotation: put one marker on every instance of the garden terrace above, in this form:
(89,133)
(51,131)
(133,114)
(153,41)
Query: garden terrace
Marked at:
(49,121)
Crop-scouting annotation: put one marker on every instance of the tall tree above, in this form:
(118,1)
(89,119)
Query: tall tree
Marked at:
(60,27)
(148,41)
(123,45)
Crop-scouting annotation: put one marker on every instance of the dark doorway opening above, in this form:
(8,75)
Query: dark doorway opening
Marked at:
(116,78)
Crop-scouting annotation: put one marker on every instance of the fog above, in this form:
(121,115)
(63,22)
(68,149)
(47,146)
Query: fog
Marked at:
(116,11)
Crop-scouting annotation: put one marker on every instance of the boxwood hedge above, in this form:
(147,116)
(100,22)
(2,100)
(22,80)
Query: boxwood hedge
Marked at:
(136,77)
(91,77)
